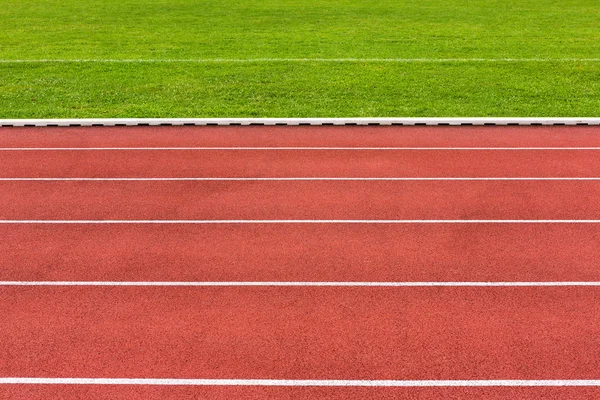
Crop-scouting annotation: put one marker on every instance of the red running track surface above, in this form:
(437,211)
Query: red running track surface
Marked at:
(299,200)
(319,252)
(322,333)
(44,392)
(302,136)
(301,333)
(300,163)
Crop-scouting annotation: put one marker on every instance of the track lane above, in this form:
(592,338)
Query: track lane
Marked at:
(34,392)
(298,163)
(301,333)
(318,253)
(342,136)
(304,200)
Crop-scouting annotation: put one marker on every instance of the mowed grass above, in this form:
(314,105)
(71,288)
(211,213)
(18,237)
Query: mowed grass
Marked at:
(553,49)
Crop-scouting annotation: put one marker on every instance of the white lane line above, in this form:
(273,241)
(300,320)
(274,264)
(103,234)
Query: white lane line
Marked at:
(302,284)
(300,382)
(293,148)
(306,60)
(310,221)
(302,179)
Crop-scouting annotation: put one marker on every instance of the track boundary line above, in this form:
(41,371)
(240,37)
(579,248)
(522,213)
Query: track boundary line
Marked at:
(292,148)
(300,382)
(297,179)
(297,284)
(310,221)
(478,121)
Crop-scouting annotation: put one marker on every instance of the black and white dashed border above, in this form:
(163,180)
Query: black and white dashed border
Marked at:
(297,121)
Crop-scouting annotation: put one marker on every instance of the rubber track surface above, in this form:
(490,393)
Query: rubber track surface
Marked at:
(303,333)
(299,200)
(300,163)
(330,252)
(323,333)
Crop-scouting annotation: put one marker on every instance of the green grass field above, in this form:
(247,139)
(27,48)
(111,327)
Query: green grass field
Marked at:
(311,58)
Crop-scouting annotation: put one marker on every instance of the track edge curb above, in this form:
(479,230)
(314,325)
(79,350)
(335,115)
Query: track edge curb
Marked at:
(484,121)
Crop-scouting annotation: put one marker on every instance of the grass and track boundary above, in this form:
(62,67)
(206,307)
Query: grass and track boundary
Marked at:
(299,122)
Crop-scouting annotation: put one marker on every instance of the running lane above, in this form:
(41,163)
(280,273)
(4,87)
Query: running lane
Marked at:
(140,392)
(303,136)
(290,163)
(302,200)
(301,333)
(300,252)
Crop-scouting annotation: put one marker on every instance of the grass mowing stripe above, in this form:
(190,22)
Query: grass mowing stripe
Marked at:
(103,90)
(183,29)
(308,60)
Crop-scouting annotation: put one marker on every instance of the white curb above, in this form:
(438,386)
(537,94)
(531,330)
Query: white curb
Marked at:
(296,121)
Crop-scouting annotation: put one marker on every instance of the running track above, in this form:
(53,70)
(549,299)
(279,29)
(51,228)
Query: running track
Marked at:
(300,262)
